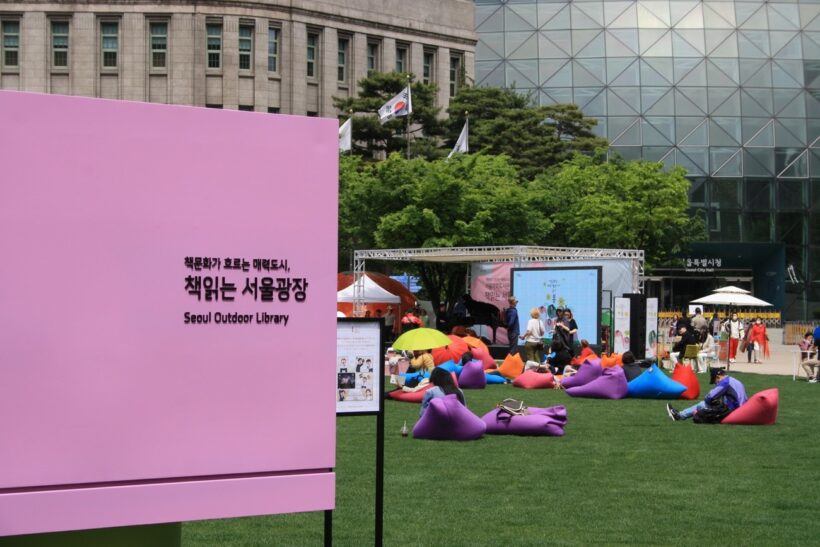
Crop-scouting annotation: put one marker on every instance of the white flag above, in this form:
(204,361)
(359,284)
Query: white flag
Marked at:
(346,136)
(462,145)
(400,105)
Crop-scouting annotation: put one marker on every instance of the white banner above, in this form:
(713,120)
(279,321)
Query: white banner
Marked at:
(651,328)
(620,338)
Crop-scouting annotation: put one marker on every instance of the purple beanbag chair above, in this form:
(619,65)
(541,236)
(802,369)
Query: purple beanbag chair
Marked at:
(655,384)
(760,409)
(586,373)
(611,384)
(540,421)
(446,419)
(472,376)
(593,361)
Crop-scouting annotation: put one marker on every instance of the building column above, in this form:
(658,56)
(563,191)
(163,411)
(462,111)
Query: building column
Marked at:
(260,65)
(83,54)
(443,76)
(469,67)
(34,35)
(296,85)
(134,53)
(200,54)
(389,55)
(286,68)
(328,76)
(417,61)
(186,61)
(359,58)
(230,62)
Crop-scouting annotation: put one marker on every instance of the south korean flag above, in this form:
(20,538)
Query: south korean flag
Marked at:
(400,105)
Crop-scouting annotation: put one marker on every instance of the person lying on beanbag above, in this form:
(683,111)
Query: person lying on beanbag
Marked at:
(443,384)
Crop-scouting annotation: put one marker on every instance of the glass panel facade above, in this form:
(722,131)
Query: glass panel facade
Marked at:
(730,90)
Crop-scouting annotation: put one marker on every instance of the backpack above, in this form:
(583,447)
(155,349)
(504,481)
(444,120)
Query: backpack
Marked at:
(712,414)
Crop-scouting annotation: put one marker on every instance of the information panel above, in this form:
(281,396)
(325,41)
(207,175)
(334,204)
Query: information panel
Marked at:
(167,326)
(621,336)
(651,328)
(359,366)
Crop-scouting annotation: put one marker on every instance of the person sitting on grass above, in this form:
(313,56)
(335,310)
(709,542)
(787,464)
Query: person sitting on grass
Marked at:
(726,396)
(443,384)
(558,358)
(422,361)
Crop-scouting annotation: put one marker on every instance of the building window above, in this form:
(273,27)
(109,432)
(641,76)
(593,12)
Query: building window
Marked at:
(273,49)
(59,44)
(159,45)
(429,68)
(455,75)
(372,56)
(312,114)
(212,105)
(341,69)
(273,110)
(214,32)
(312,50)
(10,31)
(245,47)
(110,42)
(246,107)
(401,59)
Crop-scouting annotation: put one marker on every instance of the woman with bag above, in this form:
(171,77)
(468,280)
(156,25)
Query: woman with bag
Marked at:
(533,337)
(734,328)
(759,339)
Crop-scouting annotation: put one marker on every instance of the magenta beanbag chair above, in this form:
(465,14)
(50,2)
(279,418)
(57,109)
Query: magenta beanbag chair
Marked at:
(760,409)
(473,376)
(683,374)
(586,373)
(611,384)
(535,380)
(548,421)
(408,396)
(484,356)
(446,419)
(655,384)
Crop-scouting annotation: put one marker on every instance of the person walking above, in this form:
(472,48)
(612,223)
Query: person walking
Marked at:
(533,337)
(511,322)
(759,340)
(734,328)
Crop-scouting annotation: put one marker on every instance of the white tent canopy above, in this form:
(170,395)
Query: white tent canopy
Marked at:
(371,293)
(731,299)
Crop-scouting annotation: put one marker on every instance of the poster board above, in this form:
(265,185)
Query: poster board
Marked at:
(359,366)
(158,310)
(651,328)
(621,325)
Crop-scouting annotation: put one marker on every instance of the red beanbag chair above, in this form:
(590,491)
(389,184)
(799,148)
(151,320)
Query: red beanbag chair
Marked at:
(408,396)
(442,355)
(760,409)
(683,374)
(458,346)
(512,367)
(535,380)
(484,356)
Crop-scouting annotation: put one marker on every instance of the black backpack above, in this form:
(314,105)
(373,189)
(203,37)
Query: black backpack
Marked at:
(712,414)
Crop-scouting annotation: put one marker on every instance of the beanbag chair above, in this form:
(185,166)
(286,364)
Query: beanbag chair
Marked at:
(411,375)
(684,374)
(608,361)
(592,361)
(611,384)
(442,355)
(408,396)
(474,342)
(760,409)
(586,373)
(632,371)
(493,378)
(483,355)
(472,376)
(585,355)
(446,419)
(654,384)
(534,380)
(458,346)
(540,421)
(512,367)
(450,366)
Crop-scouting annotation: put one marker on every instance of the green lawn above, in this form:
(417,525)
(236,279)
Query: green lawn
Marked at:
(623,474)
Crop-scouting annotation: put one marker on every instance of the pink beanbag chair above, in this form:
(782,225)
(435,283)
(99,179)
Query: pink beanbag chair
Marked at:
(472,376)
(540,421)
(611,384)
(586,373)
(408,396)
(534,380)
(683,374)
(484,356)
(446,419)
(760,409)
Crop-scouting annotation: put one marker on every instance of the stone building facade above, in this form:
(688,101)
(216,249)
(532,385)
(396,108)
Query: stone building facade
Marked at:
(268,56)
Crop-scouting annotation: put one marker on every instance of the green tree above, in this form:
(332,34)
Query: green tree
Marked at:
(371,139)
(470,200)
(503,121)
(618,204)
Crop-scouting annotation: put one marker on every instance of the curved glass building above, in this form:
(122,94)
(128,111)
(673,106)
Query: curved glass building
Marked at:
(729,90)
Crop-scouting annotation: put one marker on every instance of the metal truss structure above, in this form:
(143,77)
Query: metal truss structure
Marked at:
(518,254)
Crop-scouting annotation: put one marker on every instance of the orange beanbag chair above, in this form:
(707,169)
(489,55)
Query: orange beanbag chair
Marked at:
(608,361)
(586,353)
(442,355)
(535,380)
(474,342)
(484,356)
(458,346)
(512,367)
(619,359)
(760,409)
(683,374)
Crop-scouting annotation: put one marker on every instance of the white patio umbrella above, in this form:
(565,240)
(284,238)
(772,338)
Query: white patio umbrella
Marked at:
(732,289)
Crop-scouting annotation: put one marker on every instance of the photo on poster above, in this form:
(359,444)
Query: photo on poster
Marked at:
(359,368)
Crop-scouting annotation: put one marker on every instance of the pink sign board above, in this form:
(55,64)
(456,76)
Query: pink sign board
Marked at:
(167,313)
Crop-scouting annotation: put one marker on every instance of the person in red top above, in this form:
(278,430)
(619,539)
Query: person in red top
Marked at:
(410,321)
(586,353)
(759,339)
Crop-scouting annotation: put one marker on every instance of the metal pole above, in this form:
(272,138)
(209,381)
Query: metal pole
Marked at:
(409,113)
(328,527)
(379,479)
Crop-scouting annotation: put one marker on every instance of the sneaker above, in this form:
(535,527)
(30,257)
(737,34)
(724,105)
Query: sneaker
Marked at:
(731,360)
(813,380)
(673,414)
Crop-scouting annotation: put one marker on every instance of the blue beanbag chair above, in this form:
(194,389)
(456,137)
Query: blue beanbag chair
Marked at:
(450,366)
(611,384)
(446,419)
(655,384)
(410,375)
(472,376)
(495,378)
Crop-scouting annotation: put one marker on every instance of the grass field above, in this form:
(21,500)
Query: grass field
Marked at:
(623,474)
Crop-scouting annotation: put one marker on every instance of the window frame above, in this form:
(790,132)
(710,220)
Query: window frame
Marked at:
(455,82)
(248,55)
(164,51)
(343,60)
(405,58)
(4,49)
(376,57)
(311,64)
(103,22)
(431,67)
(216,52)
(53,47)
(277,29)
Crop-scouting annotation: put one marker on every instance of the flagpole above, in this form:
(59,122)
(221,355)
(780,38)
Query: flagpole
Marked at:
(407,130)
(350,117)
